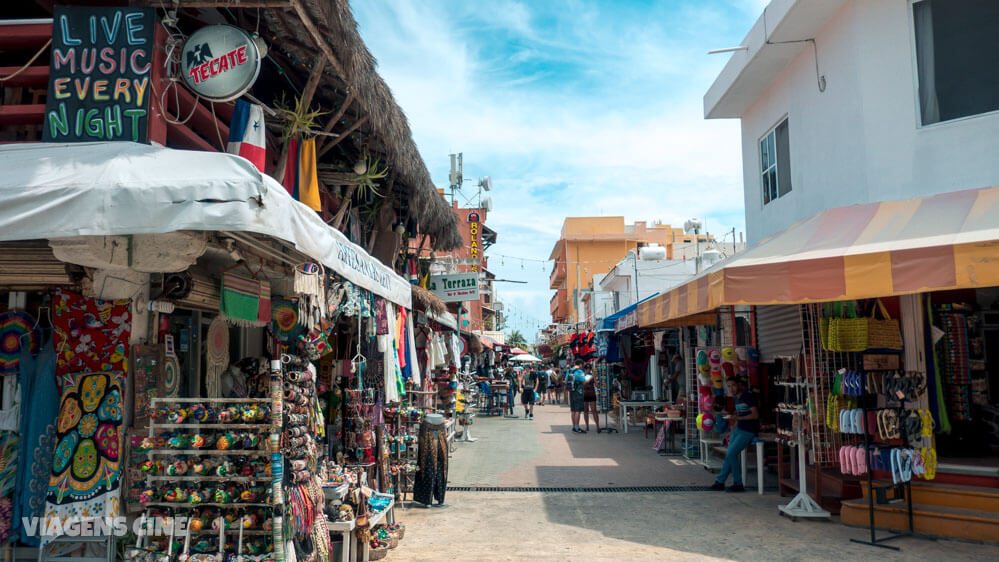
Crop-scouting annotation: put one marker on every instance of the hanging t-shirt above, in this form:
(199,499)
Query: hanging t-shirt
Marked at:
(744,403)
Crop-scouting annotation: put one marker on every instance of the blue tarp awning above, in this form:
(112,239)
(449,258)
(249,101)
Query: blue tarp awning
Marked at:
(608,322)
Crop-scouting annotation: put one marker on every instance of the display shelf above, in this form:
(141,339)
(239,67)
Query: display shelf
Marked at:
(213,400)
(195,478)
(260,426)
(213,452)
(246,532)
(185,505)
(378,517)
(341,526)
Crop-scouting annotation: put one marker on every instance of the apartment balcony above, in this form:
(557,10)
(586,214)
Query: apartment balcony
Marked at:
(559,306)
(558,275)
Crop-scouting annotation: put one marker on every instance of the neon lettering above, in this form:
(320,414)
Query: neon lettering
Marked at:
(60,60)
(121,89)
(60,85)
(135,66)
(66,38)
(108,63)
(84,66)
(140,90)
(134,27)
(112,122)
(81,90)
(100,87)
(58,122)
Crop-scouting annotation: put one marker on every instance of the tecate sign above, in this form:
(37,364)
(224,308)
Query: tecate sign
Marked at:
(220,62)
(456,287)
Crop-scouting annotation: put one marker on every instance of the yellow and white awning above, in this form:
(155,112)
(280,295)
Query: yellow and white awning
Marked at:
(944,241)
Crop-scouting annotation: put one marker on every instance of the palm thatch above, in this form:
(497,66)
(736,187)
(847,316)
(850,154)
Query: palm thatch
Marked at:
(427,300)
(389,128)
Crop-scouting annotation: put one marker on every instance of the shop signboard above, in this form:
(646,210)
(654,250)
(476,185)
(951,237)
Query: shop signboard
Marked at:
(627,321)
(100,74)
(456,287)
(220,62)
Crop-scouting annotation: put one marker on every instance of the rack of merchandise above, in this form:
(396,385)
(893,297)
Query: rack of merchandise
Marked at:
(602,384)
(213,460)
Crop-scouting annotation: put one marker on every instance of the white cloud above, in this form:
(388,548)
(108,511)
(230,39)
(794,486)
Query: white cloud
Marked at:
(571,114)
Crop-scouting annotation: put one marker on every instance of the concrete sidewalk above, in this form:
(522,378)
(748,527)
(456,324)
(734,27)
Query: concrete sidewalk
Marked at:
(545,452)
(618,525)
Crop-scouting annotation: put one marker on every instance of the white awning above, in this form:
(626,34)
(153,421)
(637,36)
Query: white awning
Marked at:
(52,190)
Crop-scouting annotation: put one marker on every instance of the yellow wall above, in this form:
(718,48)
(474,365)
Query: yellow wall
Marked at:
(596,244)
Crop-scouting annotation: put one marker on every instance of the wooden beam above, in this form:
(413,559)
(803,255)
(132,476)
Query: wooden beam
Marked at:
(333,120)
(318,38)
(342,136)
(32,77)
(169,4)
(16,36)
(202,120)
(313,83)
(33,114)
(183,136)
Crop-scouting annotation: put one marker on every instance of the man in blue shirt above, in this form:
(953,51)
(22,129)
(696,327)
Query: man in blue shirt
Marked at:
(747,426)
(575,379)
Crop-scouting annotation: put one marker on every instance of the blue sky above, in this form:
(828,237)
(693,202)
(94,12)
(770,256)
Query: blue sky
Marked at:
(574,108)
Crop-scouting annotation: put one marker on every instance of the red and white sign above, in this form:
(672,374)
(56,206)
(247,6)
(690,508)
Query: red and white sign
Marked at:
(220,62)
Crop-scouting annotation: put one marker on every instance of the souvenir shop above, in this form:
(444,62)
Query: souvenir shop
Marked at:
(261,386)
(879,361)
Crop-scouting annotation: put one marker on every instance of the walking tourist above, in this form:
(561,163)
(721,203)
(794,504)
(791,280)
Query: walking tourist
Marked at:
(529,392)
(590,404)
(574,381)
(544,379)
(554,385)
(747,426)
(511,393)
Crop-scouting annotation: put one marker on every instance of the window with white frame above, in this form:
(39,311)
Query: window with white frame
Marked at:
(956,48)
(775,163)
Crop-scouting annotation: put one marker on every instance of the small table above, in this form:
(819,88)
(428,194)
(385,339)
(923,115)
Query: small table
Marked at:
(389,515)
(634,405)
(344,528)
(671,431)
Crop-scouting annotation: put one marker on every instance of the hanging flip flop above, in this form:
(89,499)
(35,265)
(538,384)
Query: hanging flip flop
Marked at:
(904,465)
(844,466)
(860,461)
(918,467)
(929,462)
(895,475)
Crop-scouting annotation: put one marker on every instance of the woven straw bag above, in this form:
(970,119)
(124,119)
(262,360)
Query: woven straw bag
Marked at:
(848,333)
(883,333)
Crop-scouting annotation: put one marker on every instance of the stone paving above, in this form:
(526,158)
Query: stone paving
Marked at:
(690,525)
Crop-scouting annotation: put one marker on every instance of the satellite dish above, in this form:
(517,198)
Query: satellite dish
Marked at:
(486,183)
(692,225)
(487,203)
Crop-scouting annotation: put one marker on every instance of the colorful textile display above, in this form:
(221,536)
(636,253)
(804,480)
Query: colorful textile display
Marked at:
(39,389)
(284,320)
(86,471)
(301,177)
(241,300)
(247,134)
(91,334)
(17,331)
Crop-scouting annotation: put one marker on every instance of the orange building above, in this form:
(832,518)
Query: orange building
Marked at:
(476,238)
(593,245)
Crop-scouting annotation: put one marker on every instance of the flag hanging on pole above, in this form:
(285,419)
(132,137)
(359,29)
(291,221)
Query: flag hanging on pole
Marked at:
(246,134)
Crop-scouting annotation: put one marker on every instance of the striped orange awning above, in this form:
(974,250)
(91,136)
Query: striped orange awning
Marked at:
(945,241)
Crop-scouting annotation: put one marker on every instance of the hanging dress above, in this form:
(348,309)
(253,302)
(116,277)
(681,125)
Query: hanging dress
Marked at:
(39,389)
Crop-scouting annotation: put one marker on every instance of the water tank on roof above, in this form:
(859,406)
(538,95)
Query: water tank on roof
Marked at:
(652,252)
(711,257)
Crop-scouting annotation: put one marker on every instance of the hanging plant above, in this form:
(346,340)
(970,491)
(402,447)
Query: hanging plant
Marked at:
(299,121)
(368,170)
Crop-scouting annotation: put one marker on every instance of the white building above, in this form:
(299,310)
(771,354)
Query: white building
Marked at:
(856,101)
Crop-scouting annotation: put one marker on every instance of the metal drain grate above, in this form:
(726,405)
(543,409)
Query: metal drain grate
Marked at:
(569,490)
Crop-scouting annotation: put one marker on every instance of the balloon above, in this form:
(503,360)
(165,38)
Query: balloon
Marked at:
(705,422)
(728,354)
(704,402)
(714,357)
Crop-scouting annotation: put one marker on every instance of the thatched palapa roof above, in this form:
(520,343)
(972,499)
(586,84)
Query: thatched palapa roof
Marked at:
(355,72)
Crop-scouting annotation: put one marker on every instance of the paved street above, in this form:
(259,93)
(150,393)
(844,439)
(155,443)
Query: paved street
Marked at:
(690,525)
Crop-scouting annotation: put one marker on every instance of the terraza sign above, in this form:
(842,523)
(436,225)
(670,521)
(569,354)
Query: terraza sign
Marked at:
(220,62)
(99,75)
(456,287)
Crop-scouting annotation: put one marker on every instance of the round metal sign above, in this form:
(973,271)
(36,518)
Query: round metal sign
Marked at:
(220,62)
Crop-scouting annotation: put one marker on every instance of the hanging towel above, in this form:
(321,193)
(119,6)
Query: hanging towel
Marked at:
(290,179)
(264,306)
(390,358)
(240,302)
(247,136)
(308,175)
(415,362)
